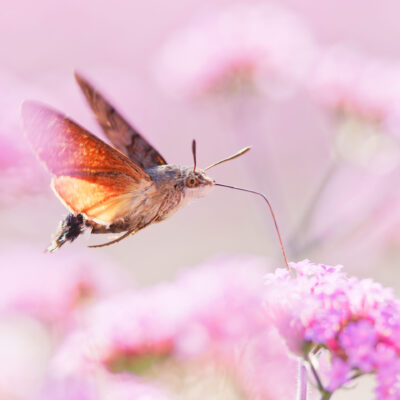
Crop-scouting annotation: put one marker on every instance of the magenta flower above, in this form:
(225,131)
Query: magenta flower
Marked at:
(339,373)
(255,46)
(357,339)
(388,375)
(212,315)
(356,321)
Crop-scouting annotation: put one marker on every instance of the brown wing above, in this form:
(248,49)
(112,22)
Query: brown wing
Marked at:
(90,176)
(121,134)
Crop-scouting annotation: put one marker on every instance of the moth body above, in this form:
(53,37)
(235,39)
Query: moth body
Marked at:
(171,187)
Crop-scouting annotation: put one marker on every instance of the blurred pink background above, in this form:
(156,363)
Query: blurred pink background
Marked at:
(304,129)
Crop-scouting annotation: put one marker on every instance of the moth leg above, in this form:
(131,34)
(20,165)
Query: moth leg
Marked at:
(69,229)
(130,232)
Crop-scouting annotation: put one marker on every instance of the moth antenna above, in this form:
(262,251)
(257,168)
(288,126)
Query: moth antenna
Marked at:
(236,155)
(272,214)
(194,154)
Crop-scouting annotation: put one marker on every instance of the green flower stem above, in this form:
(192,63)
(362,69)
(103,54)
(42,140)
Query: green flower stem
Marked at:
(326,395)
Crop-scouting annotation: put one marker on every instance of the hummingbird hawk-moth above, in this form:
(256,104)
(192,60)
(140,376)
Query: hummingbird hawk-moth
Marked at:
(109,189)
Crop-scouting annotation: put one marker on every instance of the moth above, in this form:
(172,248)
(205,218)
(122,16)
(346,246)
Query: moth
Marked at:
(121,188)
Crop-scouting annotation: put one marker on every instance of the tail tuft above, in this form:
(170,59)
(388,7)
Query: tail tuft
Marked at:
(69,229)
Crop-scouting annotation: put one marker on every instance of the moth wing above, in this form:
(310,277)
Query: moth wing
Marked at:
(121,134)
(89,175)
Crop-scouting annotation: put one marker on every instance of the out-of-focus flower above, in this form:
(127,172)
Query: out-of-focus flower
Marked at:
(346,82)
(25,349)
(261,47)
(365,143)
(212,315)
(20,172)
(228,325)
(357,321)
(125,328)
(364,96)
(50,288)
(100,385)
(225,305)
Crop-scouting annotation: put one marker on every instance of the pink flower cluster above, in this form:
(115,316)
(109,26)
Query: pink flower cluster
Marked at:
(357,321)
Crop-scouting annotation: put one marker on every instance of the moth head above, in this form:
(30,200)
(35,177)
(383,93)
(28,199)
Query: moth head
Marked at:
(197,183)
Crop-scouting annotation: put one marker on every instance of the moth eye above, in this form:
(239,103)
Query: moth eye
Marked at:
(191,182)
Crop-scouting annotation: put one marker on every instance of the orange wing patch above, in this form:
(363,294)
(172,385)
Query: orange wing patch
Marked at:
(102,198)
